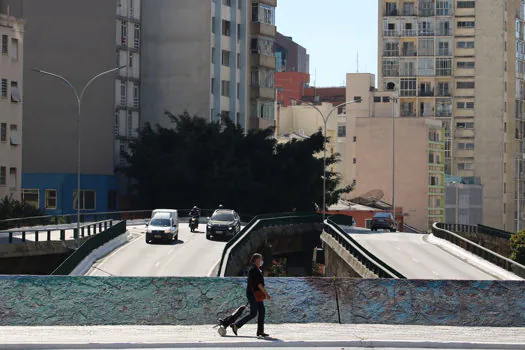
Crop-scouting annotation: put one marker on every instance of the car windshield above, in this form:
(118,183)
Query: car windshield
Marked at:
(160,222)
(382,215)
(222,217)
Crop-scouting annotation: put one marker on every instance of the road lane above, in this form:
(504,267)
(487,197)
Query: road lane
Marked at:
(415,258)
(192,256)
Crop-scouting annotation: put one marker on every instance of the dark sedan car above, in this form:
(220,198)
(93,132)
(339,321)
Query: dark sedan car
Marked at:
(383,221)
(224,223)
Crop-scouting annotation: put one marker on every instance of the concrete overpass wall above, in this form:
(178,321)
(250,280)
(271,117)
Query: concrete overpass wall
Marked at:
(51,301)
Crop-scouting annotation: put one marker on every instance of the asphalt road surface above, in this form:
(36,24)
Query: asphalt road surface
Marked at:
(192,256)
(415,258)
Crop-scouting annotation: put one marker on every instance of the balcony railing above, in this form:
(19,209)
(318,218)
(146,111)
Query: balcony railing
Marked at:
(393,12)
(390,33)
(443,114)
(426,12)
(409,52)
(409,12)
(443,32)
(426,32)
(444,53)
(426,93)
(390,53)
(409,32)
(444,94)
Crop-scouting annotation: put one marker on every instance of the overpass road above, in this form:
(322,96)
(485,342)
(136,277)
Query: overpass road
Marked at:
(192,256)
(416,258)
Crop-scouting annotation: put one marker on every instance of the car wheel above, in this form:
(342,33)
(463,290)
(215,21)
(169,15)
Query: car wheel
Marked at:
(208,236)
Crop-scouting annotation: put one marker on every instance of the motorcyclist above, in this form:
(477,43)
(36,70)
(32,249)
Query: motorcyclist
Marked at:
(221,206)
(195,212)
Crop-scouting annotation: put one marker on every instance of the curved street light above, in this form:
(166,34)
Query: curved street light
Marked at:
(325,121)
(79,98)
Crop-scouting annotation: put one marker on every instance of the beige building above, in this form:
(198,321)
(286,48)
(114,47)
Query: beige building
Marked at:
(463,61)
(11,84)
(416,177)
(302,121)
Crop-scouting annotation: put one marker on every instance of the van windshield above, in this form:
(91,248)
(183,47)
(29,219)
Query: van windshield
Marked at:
(160,222)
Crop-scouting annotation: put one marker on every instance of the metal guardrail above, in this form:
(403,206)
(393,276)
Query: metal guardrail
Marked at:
(441,230)
(369,260)
(259,222)
(85,249)
(86,230)
(95,217)
(482,229)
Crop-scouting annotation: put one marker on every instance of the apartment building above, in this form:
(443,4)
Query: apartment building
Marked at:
(462,61)
(11,87)
(401,157)
(262,63)
(290,56)
(210,58)
(78,40)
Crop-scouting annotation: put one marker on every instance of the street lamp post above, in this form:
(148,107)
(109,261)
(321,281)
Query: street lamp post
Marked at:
(325,122)
(79,98)
(394,101)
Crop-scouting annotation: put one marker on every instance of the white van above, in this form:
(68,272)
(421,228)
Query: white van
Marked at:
(164,225)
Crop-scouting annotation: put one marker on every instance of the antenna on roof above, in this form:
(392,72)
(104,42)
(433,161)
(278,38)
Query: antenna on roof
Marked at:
(357,62)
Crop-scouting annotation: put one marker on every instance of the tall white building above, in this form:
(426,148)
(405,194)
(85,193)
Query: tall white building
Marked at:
(11,84)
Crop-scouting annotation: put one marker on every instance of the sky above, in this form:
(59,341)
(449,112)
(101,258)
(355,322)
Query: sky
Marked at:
(333,32)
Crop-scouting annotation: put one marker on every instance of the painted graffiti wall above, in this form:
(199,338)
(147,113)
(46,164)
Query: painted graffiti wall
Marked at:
(63,300)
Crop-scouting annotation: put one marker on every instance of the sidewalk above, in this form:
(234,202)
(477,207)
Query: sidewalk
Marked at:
(289,335)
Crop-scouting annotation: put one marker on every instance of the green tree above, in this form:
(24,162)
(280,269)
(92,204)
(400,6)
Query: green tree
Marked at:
(205,164)
(517,246)
(11,208)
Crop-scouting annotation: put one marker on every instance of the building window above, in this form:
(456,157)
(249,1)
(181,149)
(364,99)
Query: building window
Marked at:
(466,65)
(124,33)
(3,132)
(391,49)
(465,44)
(354,160)
(14,49)
(434,180)
(136,95)
(464,125)
(465,105)
(390,67)
(227,2)
(225,88)
(426,67)
(263,78)
(123,93)
(341,110)
(2,175)
(426,47)
(386,99)
(465,145)
(377,99)
(225,58)
(213,25)
(15,93)
(31,197)
(465,85)
(238,90)
(130,60)
(226,28)
(443,89)
(263,13)
(51,199)
(443,8)
(4,88)
(5,49)
(443,67)
(213,55)
(341,131)
(212,85)
(14,136)
(263,46)
(238,61)
(87,200)
(466,24)
(408,87)
(12,178)
(129,124)
(466,5)
(136,37)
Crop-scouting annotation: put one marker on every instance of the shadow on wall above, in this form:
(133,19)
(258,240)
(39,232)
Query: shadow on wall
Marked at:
(49,301)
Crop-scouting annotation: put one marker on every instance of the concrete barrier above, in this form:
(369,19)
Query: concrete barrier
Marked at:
(63,300)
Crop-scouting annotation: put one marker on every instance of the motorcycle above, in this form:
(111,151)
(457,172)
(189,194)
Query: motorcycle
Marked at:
(194,223)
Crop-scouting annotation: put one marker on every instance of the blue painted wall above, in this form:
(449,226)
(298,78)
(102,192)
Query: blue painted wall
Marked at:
(66,184)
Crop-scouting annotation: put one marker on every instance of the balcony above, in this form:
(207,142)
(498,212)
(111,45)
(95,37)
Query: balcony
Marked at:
(258,60)
(408,113)
(443,32)
(444,53)
(391,53)
(426,12)
(409,12)
(409,32)
(426,93)
(426,32)
(409,52)
(408,73)
(391,13)
(269,2)
(390,33)
(262,92)
(444,94)
(263,29)
(443,114)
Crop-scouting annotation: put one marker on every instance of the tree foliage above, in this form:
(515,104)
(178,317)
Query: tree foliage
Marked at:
(10,208)
(517,246)
(205,164)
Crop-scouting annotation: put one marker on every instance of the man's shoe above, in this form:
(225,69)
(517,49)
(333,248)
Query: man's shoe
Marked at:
(263,335)
(234,328)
